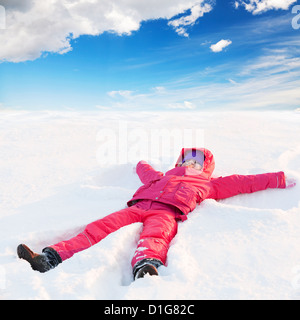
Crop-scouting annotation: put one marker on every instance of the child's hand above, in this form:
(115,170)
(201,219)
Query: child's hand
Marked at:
(290,182)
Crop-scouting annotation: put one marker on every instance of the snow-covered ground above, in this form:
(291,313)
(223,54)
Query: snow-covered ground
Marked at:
(62,170)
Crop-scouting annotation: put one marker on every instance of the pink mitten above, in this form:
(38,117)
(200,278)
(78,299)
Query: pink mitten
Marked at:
(290,182)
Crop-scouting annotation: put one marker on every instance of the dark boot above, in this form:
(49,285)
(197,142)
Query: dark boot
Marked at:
(146,266)
(44,262)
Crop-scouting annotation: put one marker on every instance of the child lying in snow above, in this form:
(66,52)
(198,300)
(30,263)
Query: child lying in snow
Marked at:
(162,201)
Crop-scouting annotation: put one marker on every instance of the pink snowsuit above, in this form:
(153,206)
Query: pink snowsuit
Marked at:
(162,201)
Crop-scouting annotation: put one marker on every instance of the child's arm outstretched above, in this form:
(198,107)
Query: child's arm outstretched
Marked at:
(232,185)
(146,173)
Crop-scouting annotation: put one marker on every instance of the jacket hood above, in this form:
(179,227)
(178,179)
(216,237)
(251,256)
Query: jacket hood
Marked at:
(209,162)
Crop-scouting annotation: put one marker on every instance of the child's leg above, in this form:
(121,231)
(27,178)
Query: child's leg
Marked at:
(160,227)
(96,231)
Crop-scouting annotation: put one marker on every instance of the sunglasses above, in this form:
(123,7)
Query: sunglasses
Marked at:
(191,162)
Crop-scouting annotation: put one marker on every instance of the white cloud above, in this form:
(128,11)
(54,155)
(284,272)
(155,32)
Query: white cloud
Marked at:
(236,4)
(259,6)
(159,89)
(35,26)
(182,23)
(232,81)
(219,46)
(121,93)
(186,105)
(104,108)
(272,65)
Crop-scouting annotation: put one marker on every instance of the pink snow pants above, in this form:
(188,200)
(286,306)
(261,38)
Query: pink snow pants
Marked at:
(159,228)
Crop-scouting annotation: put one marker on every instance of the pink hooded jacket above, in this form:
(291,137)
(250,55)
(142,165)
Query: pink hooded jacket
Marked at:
(185,187)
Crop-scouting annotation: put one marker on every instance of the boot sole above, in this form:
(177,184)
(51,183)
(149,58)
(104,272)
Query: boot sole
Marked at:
(25,253)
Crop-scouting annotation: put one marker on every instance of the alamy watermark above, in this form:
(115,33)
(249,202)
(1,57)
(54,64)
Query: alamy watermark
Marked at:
(2,18)
(296,19)
(126,143)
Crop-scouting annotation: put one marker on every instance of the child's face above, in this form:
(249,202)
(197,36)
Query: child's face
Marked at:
(192,164)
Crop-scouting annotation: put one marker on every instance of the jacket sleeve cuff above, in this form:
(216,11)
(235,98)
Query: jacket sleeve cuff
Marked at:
(280,183)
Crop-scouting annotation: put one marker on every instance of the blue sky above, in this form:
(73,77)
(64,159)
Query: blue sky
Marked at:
(154,63)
